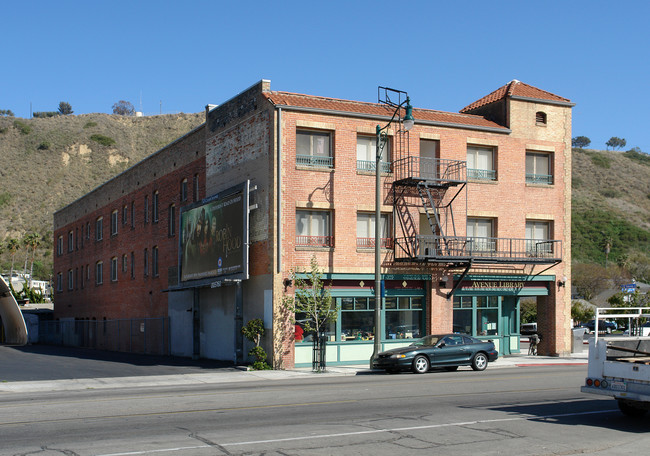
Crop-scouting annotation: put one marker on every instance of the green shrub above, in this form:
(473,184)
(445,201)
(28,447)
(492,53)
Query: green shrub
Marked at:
(44,114)
(638,157)
(22,127)
(90,124)
(44,145)
(5,198)
(601,161)
(103,140)
(3,130)
(610,193)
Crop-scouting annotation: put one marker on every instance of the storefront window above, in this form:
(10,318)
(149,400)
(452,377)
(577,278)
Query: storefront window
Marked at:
(403,318)
(357,318)
(477,315)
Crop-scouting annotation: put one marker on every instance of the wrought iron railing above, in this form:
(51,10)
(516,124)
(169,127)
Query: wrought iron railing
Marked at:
(542,179)
(481,174)
(315,161)
(369,243)
(430,169)
(314,241)
(369,165)
(454,248)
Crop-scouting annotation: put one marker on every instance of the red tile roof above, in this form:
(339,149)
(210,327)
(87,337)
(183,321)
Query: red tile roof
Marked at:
(375,109)
(515,89)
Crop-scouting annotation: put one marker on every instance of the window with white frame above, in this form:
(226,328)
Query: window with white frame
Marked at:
(146,208)
(70,280)
(125,263)
(99,273)
(314,148)
(154,261)
(114,223)
(133,265)
(146,262)
(125,214)
(367,154)
(538,168)
(480,163)
(538,237)
(155,207)
(59,246)
(88,230)
(59,282)
(366,230)
(184,190)
(70,241)
(99,229)
(480,234)
(114,269)
(172,220)
(313,229)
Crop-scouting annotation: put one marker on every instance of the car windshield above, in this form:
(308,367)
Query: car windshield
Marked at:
(427,341)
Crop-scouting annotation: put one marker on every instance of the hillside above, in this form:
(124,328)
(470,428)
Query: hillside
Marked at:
(50,162)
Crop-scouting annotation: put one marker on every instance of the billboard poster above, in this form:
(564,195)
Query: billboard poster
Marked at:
(214,237)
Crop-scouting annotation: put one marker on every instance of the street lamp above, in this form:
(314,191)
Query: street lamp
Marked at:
(382,136)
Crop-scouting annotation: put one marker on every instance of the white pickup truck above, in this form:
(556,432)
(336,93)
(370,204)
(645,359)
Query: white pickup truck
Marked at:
(619,366)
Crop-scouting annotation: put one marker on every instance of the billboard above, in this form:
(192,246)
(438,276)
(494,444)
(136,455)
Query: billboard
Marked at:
(214,236)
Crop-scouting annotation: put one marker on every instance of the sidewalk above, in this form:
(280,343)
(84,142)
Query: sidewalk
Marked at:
(240,374)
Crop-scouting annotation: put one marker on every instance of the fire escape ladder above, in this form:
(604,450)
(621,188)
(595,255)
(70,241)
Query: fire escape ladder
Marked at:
(407,224)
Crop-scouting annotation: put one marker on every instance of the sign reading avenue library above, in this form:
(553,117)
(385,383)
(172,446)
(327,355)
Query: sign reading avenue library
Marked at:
(492,285)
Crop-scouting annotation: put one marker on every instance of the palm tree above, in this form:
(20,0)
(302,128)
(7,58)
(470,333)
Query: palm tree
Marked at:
(32,241)
(12,245)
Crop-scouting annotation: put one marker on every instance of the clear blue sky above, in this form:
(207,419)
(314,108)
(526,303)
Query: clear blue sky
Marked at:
(179,56)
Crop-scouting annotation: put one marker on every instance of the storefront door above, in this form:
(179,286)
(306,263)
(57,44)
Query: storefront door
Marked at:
(509,325)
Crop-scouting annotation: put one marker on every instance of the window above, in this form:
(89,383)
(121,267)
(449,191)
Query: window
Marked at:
(133,265)
(184,190)
(154,261)
(70,280)
(538,238)
(146,262)
(114,223)
(146,209)
(154,208)
(59,246)
(366,231)
(476,315)
(76,279)
(480,163)
(195,184)
(81,230)
(314,149)
(313,229)
(70,241)
(132,214)
(125,214)
(99,229)
(540,118)
(83,276)
(99,273)
(404,317)
(172,220)
(59,282)
(114,269)
(88,271)
(429,155)
(367,154)
(88,230)
(76,238)
(125,263)
(538,168)
(480,234)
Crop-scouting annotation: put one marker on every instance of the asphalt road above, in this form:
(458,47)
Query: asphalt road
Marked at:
(518,411)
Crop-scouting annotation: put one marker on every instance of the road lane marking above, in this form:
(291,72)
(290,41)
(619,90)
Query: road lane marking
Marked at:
(371,431)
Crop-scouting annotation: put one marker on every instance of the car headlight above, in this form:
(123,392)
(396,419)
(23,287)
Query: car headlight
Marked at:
(398,355)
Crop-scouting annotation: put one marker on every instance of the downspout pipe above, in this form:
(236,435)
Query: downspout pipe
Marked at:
(279,192)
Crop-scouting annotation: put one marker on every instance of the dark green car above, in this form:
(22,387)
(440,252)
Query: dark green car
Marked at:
(444,350)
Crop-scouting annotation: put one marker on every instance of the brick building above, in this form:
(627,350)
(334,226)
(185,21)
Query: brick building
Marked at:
(475,217)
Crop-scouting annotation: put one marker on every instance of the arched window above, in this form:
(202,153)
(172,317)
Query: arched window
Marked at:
(540,118)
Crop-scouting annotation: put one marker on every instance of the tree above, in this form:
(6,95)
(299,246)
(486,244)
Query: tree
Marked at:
(6,112)
(312,305)
(65,108)
(31,241)
(123,108)
(590,279)
(12,245)
(581,313)
(616,143)
(580,142)
(253,331)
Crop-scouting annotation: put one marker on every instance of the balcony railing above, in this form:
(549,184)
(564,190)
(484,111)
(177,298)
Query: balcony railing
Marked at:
(369,165)
(315,161)
(542,179)
(369,243)
(314,241)
(430,169)
(497,250)
(481,174)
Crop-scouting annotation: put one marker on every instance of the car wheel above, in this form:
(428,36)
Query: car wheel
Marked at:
(480,361)
(420,364)
(630,410)
(451,368)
